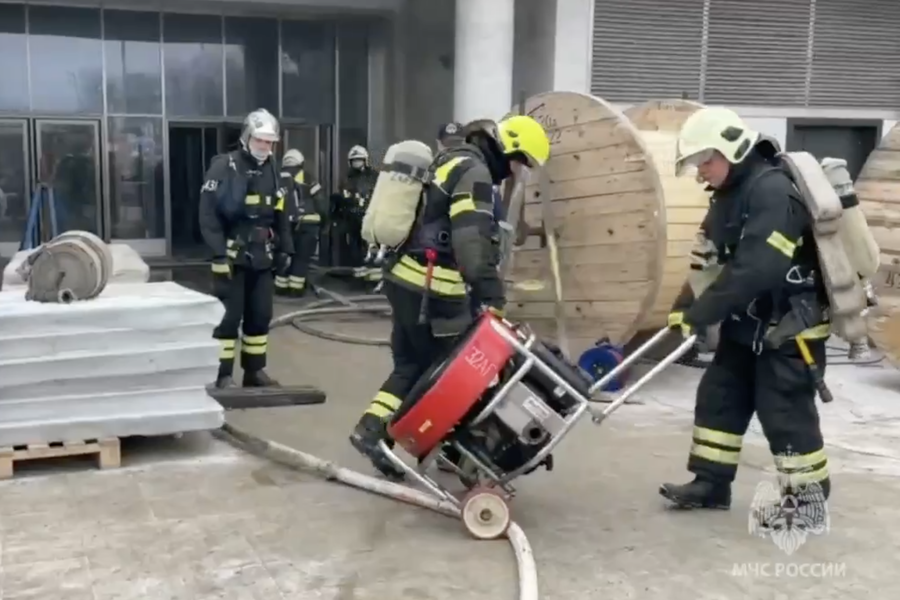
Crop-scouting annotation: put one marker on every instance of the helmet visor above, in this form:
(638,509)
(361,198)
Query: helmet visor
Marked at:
(266,136)
(688,165)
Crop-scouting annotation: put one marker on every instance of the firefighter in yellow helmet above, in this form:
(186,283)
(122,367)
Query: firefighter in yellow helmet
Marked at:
(454,235)
(755,270)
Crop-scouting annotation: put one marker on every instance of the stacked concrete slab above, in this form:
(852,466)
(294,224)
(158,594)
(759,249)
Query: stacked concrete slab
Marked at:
(134,361)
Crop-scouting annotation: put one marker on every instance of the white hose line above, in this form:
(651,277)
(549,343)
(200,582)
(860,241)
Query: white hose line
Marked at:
(291,457)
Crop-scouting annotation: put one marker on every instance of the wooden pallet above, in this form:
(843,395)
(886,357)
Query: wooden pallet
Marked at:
(107,450)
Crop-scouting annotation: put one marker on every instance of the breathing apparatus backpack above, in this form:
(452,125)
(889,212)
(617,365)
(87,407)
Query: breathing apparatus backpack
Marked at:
(394,206)
(846,247)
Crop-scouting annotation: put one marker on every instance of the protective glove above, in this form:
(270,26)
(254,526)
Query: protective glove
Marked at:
(676,321)
(221,272)
(282,264)
(496,311)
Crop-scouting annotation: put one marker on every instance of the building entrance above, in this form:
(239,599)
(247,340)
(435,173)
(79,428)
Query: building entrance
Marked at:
(191,150)
(192,147)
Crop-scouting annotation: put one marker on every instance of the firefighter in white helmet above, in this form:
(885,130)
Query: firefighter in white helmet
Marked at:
(758,255)
(243,221)
(348,207)
(304,205)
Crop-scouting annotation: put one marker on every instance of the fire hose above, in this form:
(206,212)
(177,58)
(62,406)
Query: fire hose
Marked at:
(295,459)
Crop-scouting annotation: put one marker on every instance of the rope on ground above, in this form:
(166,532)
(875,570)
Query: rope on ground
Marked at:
(295,459)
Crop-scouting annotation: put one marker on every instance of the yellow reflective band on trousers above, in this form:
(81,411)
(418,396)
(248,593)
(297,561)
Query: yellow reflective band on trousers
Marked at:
(782,244)
(281,282)
(461,203)
(311,219)
(384,405)
(254,344)
(717,446)
(226,349)
(296,283)
(799,470)
(220,268)
(446,282)
(252,200)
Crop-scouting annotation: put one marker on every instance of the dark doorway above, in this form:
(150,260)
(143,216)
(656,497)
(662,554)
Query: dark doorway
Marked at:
(852,142)
(191,149)
(231,137)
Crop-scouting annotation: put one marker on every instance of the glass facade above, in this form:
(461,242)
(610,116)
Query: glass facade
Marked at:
(353,86)
(91,96)
(133,54)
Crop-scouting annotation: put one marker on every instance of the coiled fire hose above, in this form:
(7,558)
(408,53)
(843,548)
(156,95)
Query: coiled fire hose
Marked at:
(295,459)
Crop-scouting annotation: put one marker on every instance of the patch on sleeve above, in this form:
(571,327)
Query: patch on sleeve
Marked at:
(483,192)
(210,186)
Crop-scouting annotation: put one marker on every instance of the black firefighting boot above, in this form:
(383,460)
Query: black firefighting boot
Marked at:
(803,509)
(700,493)
(225,382)
(224,378)
(259,379)
(365,437)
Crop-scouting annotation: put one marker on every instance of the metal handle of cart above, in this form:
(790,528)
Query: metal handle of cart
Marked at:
(599,416)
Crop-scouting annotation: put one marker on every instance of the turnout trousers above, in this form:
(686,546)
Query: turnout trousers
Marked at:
(777,386)
(306,240)
(248,310)
(415,347)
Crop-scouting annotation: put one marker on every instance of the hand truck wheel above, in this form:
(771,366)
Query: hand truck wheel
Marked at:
(485,514)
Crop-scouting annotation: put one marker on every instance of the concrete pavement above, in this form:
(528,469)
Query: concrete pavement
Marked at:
(196,519)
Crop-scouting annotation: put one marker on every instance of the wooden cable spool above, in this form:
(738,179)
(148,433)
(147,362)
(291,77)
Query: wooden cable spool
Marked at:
(623,221)
(878,189)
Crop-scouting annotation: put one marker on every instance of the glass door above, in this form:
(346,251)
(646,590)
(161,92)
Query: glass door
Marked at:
(14,184)
(67,158)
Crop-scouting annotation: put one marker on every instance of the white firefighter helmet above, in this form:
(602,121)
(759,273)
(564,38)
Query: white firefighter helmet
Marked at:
(293,158)
(711,130)
(358,153)
(262,125)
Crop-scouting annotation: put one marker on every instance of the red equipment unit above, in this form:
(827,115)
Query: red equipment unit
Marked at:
(472,368)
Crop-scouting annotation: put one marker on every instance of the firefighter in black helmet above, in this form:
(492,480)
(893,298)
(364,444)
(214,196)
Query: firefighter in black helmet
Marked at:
(449,136)
(305,206)
(454,236)
(243,221)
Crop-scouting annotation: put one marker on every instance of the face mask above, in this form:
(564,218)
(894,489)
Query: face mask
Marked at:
(357,164)
(260,155)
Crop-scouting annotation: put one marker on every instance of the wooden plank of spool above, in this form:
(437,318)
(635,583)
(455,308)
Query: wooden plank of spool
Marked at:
(610,206)
(685,203)
(878,189)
